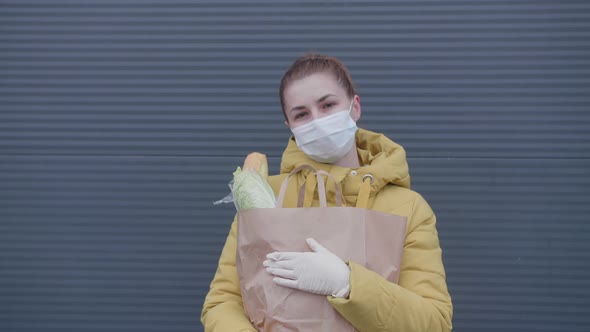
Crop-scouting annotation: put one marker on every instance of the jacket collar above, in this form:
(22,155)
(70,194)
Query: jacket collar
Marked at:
(380,157)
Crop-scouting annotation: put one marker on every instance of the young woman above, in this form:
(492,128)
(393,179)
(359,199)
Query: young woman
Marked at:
(321,108)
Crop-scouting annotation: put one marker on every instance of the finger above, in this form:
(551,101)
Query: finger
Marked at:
(282,255)
(285,264)
(287,274)
(315,246)
(277,264)
(286,282)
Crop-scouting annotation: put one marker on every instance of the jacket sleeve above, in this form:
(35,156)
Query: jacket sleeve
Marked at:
(223,310)
(421,301)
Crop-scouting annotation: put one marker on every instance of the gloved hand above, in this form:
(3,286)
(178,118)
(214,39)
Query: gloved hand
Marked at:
(319,272)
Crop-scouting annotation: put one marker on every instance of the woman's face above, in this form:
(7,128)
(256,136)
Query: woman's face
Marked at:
(316,96)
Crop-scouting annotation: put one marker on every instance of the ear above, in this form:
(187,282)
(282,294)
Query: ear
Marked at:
(356,108)
(287,124)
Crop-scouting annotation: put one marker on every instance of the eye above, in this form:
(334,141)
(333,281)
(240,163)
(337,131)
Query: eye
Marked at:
(329,105)
(300,115)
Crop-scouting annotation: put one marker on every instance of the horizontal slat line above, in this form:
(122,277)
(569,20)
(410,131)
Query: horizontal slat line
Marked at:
(52,100)
(464,86)
(179,256)
(86,276)
(528,221)
(412,67)
(149,132)
(459,141)
(129,308)
(510,90)
(41,200)
(110,132)
(177,146)
(514,254)
(154,205)
(516,155)
(82,290)
(144,52)
(76,299)
(180,30)
(263,16)
(549,303)
(16,41)
(516,97)
(175,7)
(128,212)
(85,315)
(184,127)
(79,281)
(180,54)
(138,267)
(109,285)
(182,50)
(90,244)
(60,30)
(116,310)
(37,117)
(499,297)
(157,226)
(172,185)
(182,238)
(90,248)
(523,319)
(300,14)
(571,162)
(70,270)
(271,114)
(23,291)
(458,81)
(425,78)
(175,192)
(156,223)
(573,312)
(202,14)
(220,3)
(72,325)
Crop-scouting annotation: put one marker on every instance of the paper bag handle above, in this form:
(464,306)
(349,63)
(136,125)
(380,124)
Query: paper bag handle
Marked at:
(321,190)
(283,189)
(321,187)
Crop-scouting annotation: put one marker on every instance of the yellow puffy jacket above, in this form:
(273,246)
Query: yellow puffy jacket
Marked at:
(419,302)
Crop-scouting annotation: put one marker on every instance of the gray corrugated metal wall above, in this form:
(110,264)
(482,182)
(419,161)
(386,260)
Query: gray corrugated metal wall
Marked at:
(121,121)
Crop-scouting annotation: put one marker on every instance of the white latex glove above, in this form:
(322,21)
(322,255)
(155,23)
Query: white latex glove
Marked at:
(319,272)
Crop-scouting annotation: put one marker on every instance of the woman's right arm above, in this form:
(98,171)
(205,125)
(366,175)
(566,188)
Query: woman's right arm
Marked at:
(223,310)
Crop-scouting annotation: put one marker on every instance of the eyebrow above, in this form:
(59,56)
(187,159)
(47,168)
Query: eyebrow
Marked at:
(297,108)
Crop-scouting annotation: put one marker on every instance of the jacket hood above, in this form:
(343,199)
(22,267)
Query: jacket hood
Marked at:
(379,156)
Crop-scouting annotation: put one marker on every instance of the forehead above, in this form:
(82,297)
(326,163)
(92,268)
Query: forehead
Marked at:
(310,88)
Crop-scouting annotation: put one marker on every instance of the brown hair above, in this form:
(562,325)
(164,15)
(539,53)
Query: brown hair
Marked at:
(316,63)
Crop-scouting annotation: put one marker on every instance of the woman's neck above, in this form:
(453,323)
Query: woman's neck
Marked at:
(350,160)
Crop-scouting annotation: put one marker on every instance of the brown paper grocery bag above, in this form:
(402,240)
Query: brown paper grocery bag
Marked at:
(369,238)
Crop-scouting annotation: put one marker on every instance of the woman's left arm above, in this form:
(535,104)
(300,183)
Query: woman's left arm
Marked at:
(420,302)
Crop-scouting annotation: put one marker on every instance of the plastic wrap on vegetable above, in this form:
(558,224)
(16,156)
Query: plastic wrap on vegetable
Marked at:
(249,187)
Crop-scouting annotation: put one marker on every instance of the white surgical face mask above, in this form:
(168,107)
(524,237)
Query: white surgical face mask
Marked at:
(327,139)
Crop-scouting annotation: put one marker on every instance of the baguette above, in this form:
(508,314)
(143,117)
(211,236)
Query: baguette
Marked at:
(257,162)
